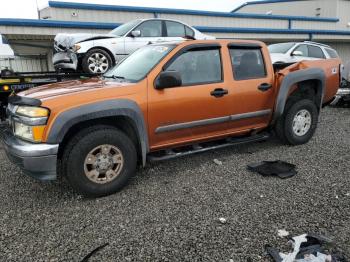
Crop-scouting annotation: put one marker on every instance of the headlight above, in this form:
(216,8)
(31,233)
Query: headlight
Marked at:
(31,133)
(29,122)
(31,111)
(76,47)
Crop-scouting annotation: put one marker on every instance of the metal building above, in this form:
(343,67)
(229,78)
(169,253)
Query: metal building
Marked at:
(267,20)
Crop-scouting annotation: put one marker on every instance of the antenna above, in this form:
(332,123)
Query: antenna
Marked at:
(37,9)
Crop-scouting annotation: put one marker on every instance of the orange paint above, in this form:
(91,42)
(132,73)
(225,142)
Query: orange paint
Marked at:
(184,104)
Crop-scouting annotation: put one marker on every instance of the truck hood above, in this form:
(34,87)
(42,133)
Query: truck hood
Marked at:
(69,87)
(64,41)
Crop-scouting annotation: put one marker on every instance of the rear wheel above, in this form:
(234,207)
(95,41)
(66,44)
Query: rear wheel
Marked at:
(298,123)
(99,161)
(96,61)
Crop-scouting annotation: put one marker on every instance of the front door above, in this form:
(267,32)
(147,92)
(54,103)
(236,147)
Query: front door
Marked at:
(197,109)
(150,32)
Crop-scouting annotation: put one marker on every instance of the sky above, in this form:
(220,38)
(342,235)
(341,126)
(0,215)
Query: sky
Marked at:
(28,8)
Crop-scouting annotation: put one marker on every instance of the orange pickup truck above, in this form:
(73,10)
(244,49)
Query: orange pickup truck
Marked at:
(164,101)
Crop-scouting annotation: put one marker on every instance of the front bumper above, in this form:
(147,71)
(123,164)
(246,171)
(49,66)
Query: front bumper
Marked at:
(65,60)
(36,160)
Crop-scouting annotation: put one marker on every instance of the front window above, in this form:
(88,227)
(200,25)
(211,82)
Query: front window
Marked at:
(198,66)
(303,49)
(124,28)
(136,66)
(151,28)
(280,48)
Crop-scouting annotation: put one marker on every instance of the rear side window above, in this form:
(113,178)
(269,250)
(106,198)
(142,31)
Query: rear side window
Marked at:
(189,31)
(315,52)
(332,53)
(198,66)
(175,29)
(247,64)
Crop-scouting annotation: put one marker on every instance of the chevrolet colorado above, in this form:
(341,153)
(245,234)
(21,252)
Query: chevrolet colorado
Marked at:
(163,101)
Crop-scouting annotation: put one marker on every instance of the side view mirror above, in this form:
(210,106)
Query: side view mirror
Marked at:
(297,53)
(168,79)
(135,33)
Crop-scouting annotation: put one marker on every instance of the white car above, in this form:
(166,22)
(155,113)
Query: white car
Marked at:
(97,53)
(292,52)
(5,48)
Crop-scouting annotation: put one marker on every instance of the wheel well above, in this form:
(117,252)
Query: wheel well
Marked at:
(104,49)
(307,89)
(123,123)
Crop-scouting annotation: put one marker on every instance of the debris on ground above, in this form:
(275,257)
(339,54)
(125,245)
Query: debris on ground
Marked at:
(88,256)
(307,248)
(274,168)
(222,220)
(282,233)
(218,162)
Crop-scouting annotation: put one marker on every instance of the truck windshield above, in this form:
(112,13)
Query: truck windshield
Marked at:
(137,65)
(280,48)
(124,28)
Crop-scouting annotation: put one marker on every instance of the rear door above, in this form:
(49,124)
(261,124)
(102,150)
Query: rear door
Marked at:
(253,95)
(151,32)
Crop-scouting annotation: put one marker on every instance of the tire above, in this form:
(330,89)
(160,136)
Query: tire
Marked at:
(89,161)
(298,123)
(102,64)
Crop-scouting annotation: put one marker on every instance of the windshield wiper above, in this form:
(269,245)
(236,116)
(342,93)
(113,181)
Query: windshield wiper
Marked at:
(114,77)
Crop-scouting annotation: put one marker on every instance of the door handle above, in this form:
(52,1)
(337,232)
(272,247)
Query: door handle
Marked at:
(219,92)
(264,87)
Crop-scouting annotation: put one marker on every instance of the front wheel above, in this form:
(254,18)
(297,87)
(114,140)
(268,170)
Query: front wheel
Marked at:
(96,61)
(99,161)
(298,123)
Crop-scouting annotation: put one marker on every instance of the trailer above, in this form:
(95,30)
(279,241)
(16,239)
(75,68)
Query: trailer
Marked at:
(12,83)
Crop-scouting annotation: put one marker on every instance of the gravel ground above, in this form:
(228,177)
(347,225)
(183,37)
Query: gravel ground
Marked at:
(171,210)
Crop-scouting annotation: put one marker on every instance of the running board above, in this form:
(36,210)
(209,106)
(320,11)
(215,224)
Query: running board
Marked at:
(204,147)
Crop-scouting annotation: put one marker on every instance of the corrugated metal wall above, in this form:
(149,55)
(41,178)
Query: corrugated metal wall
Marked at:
(299,8)
(215,21)
(25,64)
(69,14)
(343,13)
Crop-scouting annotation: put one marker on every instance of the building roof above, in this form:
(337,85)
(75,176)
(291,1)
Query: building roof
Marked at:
(259,2)
(206,29)
(85,6)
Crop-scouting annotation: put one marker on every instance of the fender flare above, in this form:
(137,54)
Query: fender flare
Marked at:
(296,77)
(109,108)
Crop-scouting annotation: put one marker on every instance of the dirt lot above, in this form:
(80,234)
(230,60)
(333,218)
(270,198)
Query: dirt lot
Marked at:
(171,210)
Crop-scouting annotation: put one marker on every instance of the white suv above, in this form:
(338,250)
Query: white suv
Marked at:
(292,52)
(97,53)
